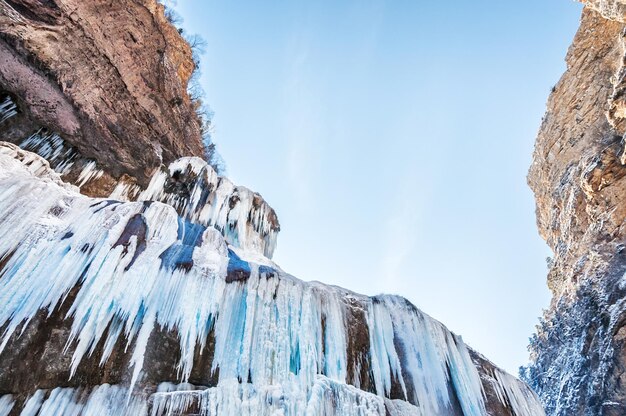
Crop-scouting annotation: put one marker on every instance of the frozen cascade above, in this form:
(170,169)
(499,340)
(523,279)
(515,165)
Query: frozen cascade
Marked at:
(518,398)
(328,399)
(429,362)
(194,189)
(279,345)
(103,400)
(34,403)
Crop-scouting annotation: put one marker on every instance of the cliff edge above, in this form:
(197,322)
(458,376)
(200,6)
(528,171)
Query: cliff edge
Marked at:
(578,176)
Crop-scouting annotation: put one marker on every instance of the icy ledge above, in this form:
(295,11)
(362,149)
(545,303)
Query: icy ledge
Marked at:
(189,185)
(142,296)
(199,195)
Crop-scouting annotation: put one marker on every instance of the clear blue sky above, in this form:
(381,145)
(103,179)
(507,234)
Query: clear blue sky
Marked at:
(393,139)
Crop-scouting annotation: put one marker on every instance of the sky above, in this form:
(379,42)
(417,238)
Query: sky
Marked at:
(393,140)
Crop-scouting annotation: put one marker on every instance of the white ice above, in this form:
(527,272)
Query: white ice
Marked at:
(280,343)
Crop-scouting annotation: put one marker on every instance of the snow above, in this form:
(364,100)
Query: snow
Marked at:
(280,344)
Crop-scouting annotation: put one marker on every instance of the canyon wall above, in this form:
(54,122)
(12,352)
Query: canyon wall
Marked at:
(578,176)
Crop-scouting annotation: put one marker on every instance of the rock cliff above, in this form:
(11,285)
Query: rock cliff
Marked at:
(108,77)
(135,280)
(578,176)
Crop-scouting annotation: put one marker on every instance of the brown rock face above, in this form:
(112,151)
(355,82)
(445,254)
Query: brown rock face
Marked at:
(579,180)
(108,77)
(576,174)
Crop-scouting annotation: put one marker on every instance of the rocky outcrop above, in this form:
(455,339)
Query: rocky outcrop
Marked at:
(578,176)
(109,78)
(610,9)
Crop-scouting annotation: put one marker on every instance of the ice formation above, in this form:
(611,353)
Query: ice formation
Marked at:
(511,392)
(232,398)
(102,400)
(194,264)
(6,404)
(52,148)
(199,195)
(189,185)
(8,109)
(63,158)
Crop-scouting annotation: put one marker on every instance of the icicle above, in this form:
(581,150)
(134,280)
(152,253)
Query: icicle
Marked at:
(108,400)
(53,148)
(243,217)
(16,160)
(125,191)
(103,400)
(384,359)
(89,173)
(335,359)
(8,109)
(33,404)
(402,408)
(327,398)
(6,404)
(432,358)
(61,156)
(522,400)
(330,398)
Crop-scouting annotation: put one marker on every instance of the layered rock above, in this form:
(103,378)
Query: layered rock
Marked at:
(578,176)
(110,78)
